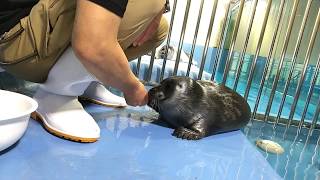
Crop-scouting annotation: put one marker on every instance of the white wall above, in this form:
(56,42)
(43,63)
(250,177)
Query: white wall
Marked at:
(192,20)
(257,25)
(243,28)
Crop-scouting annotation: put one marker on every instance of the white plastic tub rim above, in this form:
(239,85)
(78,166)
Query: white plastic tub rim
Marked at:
(14,106)
(15,111)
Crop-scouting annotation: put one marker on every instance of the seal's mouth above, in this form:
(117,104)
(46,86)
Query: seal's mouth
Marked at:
(153,100)
(154,105)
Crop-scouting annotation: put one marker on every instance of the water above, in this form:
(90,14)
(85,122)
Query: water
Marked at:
(301,159)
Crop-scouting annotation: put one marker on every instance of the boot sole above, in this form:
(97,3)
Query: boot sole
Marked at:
(36,116)
(101,103)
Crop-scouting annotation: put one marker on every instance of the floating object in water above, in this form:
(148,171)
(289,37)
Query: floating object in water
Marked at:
(269,146)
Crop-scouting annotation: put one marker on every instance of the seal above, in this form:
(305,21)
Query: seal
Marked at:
(197,108)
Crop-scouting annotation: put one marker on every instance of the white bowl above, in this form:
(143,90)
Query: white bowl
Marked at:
(15,110)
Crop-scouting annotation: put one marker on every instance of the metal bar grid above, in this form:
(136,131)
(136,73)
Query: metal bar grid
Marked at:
(217,58)
(294,59)
(168,40)
(151,65)
(310,91)
(266,68)
(253,65)
(195,38)
(304,69)
(239,7)
(233,42)
(283,53)
(205,51)
(183,31)
(244,49)
(315,118)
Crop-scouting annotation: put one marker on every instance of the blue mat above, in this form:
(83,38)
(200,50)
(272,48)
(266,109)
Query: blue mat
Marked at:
(132,147)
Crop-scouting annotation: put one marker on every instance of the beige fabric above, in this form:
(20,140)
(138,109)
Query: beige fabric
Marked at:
(31,48)
(160,35)
(137,17)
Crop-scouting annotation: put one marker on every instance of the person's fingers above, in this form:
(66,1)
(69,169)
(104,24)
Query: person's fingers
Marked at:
(138,40)
(142,36)
(138,97)
(135,43)
(144,100)
(148,34)
(143,39)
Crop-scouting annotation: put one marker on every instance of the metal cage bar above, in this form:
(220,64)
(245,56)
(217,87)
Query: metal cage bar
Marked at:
(283,53)
(151,65)
(195,38)
(245,46)
(138,66)
(315,118)
(235,16)
(233,42)
(205,51)
(256,54)
(304,69)
(294,59)
(183,31)
(220,43)
(310,91)
(168,39)
(266,68)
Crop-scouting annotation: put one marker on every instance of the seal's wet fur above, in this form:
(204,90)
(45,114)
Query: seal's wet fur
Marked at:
(196,108)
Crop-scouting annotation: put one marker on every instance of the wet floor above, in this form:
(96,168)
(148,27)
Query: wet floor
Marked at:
(132,147)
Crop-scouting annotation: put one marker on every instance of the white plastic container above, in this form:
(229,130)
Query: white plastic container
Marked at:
(15,110)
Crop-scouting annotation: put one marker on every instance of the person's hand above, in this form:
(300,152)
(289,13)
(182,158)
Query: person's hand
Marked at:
(137,96)
(149,32)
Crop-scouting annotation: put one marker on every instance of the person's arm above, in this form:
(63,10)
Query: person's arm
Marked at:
(95,44)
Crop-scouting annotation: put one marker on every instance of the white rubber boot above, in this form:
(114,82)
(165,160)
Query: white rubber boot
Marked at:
(65,117)
(98,94)
(59,108)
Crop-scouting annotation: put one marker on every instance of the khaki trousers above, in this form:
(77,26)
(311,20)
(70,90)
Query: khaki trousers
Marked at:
(32,47)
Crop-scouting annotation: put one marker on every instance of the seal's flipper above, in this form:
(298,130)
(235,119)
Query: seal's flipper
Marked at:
(185,133)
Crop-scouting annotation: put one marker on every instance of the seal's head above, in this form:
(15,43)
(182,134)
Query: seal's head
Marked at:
(173,91)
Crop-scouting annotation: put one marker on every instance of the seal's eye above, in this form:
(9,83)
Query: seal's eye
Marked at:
(167,86)
(180,85)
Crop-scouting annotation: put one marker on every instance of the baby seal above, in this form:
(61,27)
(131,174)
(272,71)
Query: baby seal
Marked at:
(196,108)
